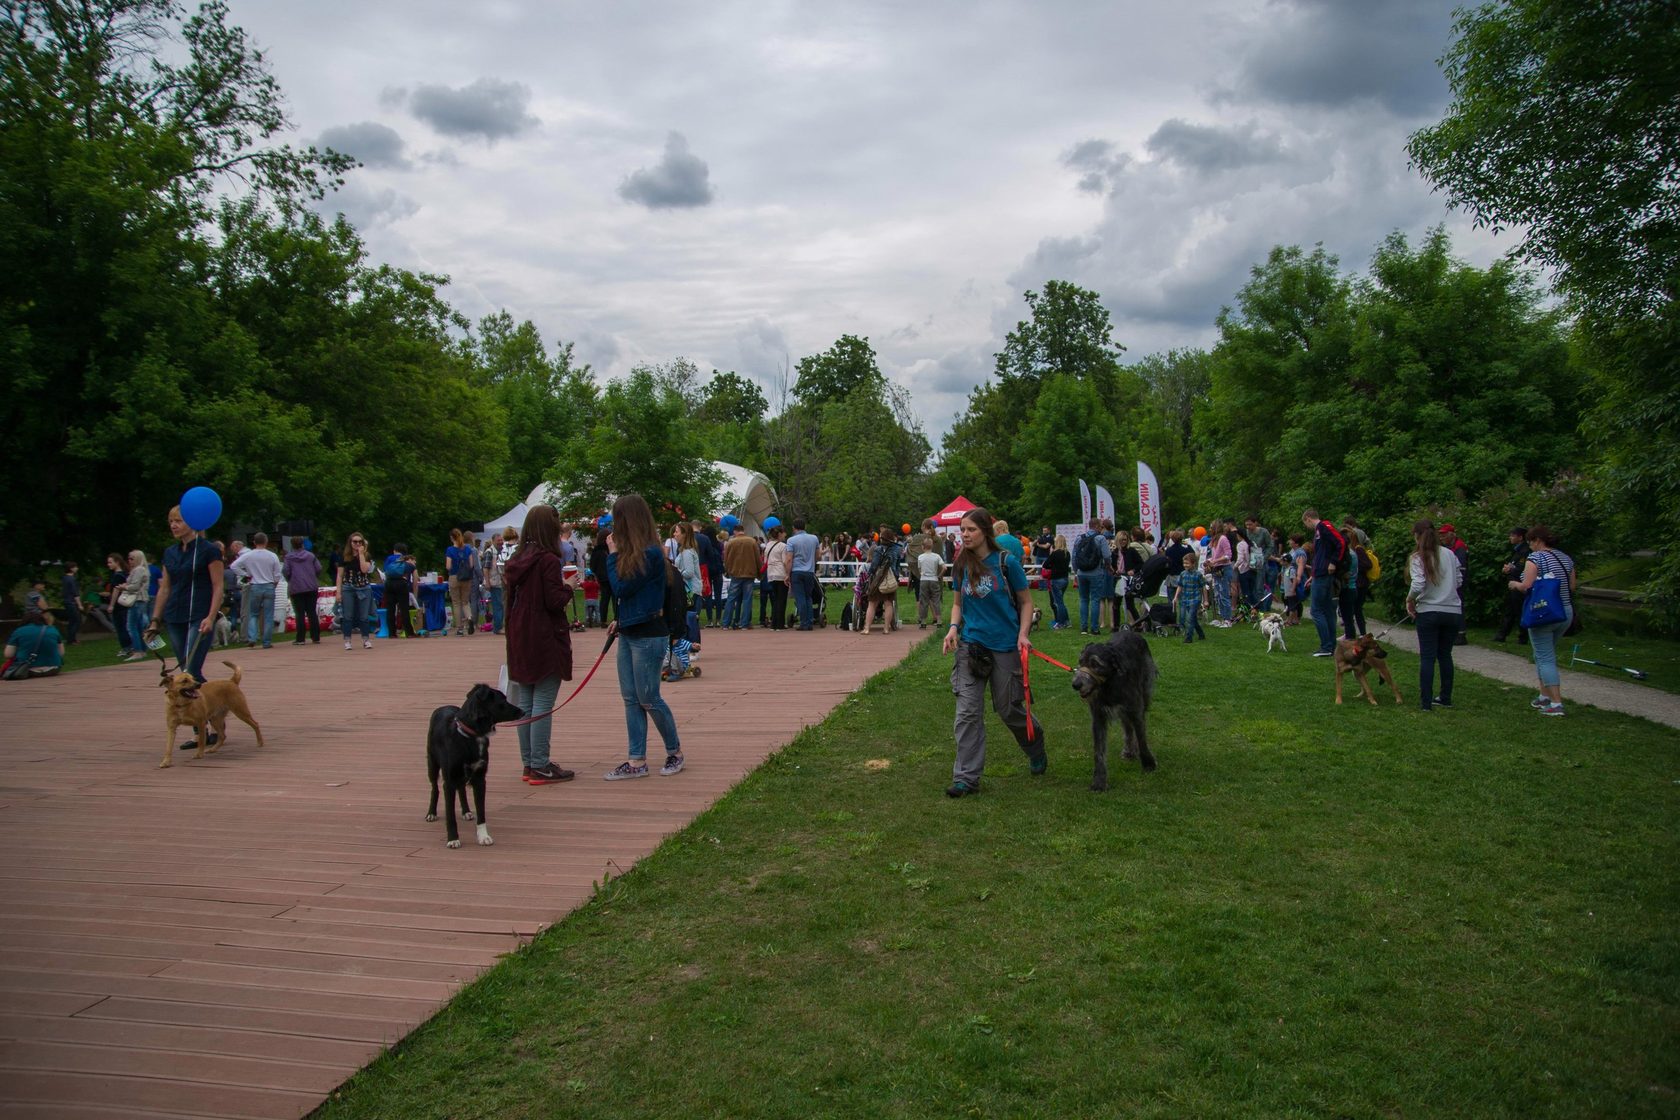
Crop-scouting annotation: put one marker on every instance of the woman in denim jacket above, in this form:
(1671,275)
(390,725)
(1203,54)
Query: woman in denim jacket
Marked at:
(636,573)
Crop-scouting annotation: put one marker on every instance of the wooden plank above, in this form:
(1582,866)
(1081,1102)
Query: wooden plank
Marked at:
(236,935)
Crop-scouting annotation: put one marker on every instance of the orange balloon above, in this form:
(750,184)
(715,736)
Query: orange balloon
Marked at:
(906,528)
(1199,532)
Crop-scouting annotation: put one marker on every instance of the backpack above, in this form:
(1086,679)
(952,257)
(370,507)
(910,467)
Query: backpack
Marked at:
(1373,566)
(394,567)
(1087,556)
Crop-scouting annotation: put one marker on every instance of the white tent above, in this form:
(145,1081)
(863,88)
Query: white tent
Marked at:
(514,517)
(750,494)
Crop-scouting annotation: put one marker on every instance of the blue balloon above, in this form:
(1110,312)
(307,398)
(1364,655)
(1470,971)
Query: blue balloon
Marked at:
(200,508)
(729,521)
(772,521)
(604,522)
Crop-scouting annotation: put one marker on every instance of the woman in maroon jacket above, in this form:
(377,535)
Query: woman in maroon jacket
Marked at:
(539,636)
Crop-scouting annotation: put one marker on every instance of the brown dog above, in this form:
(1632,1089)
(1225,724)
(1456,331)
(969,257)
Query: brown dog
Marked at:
(203,707)
(1360,656)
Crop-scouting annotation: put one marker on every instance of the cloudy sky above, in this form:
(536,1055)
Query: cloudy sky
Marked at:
(742,183)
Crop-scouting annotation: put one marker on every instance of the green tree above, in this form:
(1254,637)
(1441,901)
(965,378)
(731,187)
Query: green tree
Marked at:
(729,398)
(1565,123)
(873,464)
(114,157)
(1068,333)
(1287,340)
(643,440)
(1070,436)
(843,369)
(547,401)
(1177,388)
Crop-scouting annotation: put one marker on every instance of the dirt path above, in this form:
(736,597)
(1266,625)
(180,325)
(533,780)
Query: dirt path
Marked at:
(1579,686)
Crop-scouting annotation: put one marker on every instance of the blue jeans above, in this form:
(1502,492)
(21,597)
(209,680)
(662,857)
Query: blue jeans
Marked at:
(183,635)
(1543,641)
(1189,620)
(639,662)
(259,622)
(355,608)
(533,737)
(496,610)
(1436,631)
(804,589)
(1324,613)
(139,617)
(1222,593)
(737,613)
(1092,585)
(714,605)
(1058,602)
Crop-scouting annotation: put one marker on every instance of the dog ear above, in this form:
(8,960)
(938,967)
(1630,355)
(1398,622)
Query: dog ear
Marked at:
(472,709)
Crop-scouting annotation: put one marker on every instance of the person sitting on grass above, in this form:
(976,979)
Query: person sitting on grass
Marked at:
(40,646)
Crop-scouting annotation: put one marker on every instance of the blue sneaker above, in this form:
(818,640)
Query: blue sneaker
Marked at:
(960,788)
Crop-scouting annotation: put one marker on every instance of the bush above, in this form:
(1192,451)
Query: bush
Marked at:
(1566,504)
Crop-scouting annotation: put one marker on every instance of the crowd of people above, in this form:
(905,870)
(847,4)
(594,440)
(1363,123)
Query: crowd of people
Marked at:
(202,593)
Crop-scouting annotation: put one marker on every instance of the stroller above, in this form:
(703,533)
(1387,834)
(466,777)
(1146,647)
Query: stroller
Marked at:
(1159,619)
(819,610)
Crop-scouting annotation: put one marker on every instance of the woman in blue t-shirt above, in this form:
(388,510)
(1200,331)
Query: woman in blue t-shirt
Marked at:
(39,645)
(188,595)
(990,620)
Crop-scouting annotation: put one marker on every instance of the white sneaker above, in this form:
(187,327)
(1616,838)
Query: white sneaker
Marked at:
(367,644)
(346,643)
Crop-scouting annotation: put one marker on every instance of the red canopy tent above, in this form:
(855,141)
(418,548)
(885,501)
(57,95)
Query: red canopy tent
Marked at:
(952,515)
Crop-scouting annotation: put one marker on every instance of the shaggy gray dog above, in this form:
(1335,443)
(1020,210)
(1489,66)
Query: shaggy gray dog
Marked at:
(1116,679)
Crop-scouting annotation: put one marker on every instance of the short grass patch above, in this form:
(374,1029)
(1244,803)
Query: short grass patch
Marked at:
(1307,911)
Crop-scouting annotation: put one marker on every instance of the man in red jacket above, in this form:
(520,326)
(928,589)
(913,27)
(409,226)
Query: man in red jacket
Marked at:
(1329,560)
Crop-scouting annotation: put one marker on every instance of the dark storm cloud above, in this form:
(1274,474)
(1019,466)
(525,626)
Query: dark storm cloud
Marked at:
(1328,53)
(1098,164)
(1210,148)
(370,142)
(680,179)
(488,109)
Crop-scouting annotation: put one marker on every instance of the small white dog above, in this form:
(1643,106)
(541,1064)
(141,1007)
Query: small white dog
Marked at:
(1271,625)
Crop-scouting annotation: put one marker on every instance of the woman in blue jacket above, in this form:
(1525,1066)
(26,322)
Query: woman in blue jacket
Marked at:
(636,574)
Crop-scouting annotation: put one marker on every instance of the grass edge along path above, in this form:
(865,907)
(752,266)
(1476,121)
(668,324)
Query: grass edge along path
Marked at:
(1308,910)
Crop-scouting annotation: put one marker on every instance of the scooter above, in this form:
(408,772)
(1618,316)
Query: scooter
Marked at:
(1574,658)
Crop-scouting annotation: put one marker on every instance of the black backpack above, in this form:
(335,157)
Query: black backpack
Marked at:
(1087,556)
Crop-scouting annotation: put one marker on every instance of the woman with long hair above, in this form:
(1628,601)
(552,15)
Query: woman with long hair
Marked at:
(302,569)
(688,563)
(1057,568)
(116,581)
(138,589)
(882,588)
(1218,566)
(354,602)
(636,574)
(990,621)
(538,625)
(1546,559)
(1432,601)
(459,562)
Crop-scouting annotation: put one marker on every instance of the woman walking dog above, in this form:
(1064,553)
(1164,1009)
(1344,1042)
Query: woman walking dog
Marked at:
(636,574)
(539,636)
(990,621)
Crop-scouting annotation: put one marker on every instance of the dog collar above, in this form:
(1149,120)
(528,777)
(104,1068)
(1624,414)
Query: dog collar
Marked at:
(472,733)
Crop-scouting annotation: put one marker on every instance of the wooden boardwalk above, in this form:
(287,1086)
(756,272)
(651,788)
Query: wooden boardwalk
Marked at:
(235,936)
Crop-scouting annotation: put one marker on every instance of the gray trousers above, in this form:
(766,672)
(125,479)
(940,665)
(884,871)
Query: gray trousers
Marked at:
(1009,701)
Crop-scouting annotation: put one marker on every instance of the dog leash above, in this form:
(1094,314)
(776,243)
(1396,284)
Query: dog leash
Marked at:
(1026,680)
(611,638)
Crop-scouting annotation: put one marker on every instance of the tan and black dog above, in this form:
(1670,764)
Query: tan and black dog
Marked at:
(1359,657)
(203,707)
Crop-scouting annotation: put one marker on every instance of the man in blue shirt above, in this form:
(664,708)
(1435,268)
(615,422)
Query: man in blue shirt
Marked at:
(802,555)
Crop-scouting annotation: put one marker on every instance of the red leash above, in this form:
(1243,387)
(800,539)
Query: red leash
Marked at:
(1052,660)
(611,638)
(1026,681)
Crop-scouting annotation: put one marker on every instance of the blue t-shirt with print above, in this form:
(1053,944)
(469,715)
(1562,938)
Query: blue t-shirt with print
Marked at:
(989,615)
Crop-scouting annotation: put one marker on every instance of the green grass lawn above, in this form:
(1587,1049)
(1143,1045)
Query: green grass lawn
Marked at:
(1610,634)
(1307,911)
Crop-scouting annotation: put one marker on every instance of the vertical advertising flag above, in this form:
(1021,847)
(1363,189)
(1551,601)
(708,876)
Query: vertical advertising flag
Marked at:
(1149,501)
(1084,501)
(1105,504)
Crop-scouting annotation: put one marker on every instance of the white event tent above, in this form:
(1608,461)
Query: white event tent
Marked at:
(749,493)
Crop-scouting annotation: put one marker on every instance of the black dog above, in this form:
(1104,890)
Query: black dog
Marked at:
(1116,679)
(458,747)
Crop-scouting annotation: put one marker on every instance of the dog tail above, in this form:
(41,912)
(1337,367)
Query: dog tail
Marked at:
(236,673)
